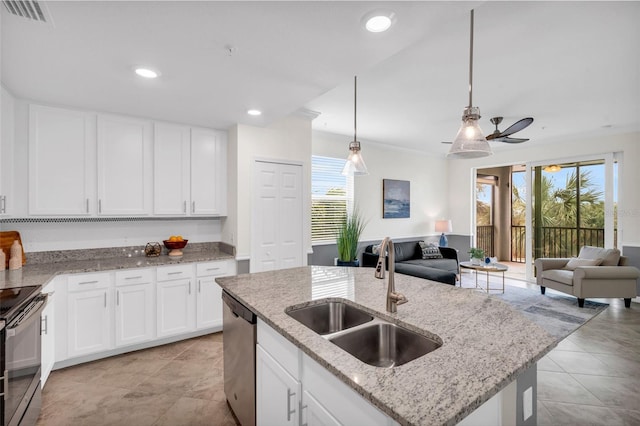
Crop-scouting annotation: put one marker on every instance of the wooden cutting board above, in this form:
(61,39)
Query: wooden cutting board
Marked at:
(6,240)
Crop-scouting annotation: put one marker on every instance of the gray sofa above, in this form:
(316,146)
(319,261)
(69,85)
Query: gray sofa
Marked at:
(409,261)
(596,272)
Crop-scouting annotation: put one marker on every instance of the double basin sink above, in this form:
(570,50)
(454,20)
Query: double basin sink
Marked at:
(369,338)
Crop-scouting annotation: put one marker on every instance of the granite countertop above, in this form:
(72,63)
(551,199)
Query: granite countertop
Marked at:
(486,343)
(41,273)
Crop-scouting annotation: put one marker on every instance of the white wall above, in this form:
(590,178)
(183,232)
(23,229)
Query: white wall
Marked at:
(427,174)
(286,140)
(460,172)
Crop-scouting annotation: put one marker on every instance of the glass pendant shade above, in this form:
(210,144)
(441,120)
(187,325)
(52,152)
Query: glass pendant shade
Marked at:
(355,165)
(470,141)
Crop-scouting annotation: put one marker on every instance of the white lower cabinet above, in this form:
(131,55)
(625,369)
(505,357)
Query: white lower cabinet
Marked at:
(89,313)
(176,300)
(293,389)
(209,293)
(135,307)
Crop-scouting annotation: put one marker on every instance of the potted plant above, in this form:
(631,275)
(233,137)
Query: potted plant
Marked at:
(477,255)
(348,238)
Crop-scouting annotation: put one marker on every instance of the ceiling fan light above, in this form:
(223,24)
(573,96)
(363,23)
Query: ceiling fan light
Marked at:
(355,165)
(470,141)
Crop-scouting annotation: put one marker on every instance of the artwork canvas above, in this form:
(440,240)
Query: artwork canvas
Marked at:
(396,197)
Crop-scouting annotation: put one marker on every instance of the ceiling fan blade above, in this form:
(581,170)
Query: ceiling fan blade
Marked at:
(493,135)
(517,126)
(510,140)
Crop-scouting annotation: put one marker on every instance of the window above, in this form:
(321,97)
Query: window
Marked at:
(331,198)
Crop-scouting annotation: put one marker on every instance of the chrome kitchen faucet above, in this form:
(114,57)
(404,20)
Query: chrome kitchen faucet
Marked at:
(393,299)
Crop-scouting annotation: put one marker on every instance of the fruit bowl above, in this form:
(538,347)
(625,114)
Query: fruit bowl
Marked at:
(175,247)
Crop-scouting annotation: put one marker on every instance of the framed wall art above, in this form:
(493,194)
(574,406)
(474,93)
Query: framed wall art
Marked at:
(396,199)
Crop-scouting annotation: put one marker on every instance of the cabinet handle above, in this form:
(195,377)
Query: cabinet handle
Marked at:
(117,297)
(175,273)
(44,325)
(302,407)
(88,282)
(212,269)
(289,410)
(87,203)
(184,208)
(193,207)
(99,206)
(137,277)
(189,286)
(105,299)
(3,204)
(199,287)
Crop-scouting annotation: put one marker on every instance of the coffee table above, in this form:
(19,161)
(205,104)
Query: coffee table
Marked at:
(483,267)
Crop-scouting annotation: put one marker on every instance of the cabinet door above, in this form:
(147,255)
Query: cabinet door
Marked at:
(124,166)
(7,160)
(209,306)
(314,414)
(208,172)
(277,392)
(89,321)
(135,314)
(61,161)
(176,307)
(171,169)
(47,334)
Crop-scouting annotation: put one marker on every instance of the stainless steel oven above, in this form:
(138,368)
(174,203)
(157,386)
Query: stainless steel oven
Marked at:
(21,354)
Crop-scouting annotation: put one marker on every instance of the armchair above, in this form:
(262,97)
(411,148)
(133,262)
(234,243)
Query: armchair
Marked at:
(596,272)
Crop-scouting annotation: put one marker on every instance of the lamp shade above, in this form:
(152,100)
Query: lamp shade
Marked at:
(355,166)
(470,142)
(443,226)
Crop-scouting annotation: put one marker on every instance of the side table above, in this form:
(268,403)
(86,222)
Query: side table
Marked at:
(491,267)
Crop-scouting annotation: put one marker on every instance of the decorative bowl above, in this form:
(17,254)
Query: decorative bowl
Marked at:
(175,247)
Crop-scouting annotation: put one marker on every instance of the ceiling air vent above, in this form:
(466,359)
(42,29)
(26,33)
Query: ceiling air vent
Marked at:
(29,9)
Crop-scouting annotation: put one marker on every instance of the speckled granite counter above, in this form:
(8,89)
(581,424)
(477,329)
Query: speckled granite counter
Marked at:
(486,345)
(41,273)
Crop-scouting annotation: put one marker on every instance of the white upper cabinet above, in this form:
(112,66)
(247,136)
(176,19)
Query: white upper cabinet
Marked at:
(124,166)
(61,158)
(171,169)
(208,172)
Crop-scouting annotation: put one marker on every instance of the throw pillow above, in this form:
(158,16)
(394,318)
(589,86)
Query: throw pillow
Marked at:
(574,262)
(429,250)
(375,249)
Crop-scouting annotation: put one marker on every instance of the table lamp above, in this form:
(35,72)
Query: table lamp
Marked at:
(443,226)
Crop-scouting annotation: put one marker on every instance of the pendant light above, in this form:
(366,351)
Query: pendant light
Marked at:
(355,163)
(470,142)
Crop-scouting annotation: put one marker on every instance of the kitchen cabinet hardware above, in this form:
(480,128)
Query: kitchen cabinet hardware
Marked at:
(87,205)
(302,408)
(118,297)
(137,277)
(105,299)
(212,269)
(289,410)
(99,206)
(199,287)
(184,209)
(88,282)
(189,286)
(174,273)
(3,203)
(44,325)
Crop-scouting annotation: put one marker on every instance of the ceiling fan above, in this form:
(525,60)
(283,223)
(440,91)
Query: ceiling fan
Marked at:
(498,136)
(503,136)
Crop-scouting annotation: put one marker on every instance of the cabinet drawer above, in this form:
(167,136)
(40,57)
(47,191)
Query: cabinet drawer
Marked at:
(88,281)
(211,268)
(176,272)
(133,276)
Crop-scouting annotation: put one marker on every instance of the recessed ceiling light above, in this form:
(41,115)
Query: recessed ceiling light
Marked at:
(146,72)
(379,21)
(254,112)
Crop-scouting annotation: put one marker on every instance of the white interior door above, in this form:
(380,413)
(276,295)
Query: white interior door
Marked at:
(277,217)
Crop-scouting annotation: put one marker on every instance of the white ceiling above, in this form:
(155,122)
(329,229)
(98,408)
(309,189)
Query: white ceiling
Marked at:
(573,66)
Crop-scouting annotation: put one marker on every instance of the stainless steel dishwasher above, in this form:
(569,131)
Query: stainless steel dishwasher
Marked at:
(239,350)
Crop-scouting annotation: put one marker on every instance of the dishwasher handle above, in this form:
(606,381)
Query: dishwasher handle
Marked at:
(238,309)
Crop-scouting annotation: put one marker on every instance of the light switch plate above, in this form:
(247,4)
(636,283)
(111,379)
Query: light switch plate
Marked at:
(527,403)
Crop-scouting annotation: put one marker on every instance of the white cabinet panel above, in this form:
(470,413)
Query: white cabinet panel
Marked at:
(47,332)
(135,314)
(89,322)
(208,172)
(176,307)
(61,161)
(124,166)
(171,165)
(277,392)
(209,306)
(7,135)
(314,414)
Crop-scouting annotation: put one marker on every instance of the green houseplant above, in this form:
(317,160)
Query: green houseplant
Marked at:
(348,238)
(476,254)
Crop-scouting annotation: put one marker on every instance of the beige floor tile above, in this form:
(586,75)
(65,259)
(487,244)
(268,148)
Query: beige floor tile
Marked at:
(583,415)
(619,392)
(583,363)
(543,416)
(195,412)
(547,364)
(561,387)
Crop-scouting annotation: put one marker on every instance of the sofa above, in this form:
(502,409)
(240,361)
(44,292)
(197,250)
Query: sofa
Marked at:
(596,272)
(443,266)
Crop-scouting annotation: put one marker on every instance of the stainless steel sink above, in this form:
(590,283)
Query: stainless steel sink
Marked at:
(330,317)
(384,344)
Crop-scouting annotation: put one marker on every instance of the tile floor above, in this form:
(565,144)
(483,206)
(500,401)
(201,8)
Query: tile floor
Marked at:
(591,378)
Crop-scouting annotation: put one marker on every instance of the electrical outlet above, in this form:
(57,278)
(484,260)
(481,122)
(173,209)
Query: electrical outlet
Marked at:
(527,403)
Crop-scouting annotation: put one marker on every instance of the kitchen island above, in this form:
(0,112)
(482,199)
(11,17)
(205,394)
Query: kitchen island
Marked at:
(486,344)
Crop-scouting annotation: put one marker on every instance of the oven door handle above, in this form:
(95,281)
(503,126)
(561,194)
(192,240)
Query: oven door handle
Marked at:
(37,306)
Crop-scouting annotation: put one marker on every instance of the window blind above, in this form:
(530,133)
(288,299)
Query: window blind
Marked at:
(331,197)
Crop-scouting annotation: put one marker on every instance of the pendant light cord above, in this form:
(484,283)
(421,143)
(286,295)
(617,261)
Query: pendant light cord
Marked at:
(471,63)
(355,108)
